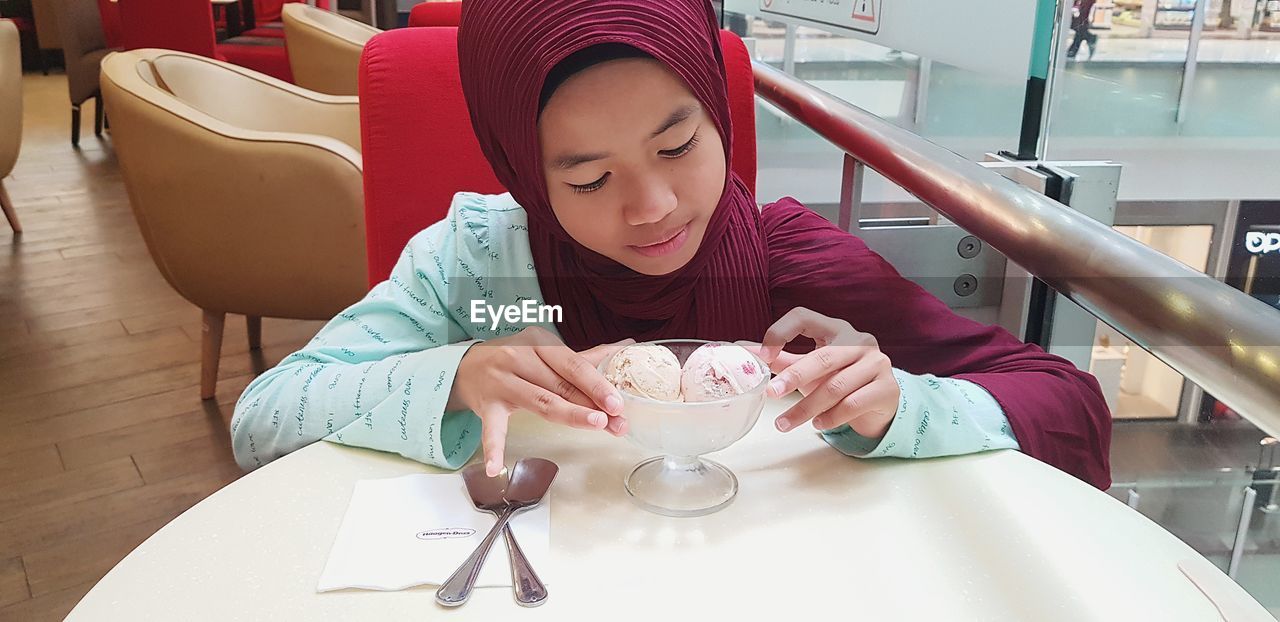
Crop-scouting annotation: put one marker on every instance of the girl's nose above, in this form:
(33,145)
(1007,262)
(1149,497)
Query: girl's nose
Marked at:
(649,202)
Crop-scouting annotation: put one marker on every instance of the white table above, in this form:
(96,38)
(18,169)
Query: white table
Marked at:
(996,536)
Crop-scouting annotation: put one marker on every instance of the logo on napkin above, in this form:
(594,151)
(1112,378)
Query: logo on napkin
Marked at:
(440,534)
(416,529)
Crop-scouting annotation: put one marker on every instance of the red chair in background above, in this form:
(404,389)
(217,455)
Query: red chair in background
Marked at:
(436,14)
(112,29)
(269,10)
(419,149)
(187,26)
(268,20)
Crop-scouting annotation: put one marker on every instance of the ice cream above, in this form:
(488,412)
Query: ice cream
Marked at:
(646,370)
(716,371)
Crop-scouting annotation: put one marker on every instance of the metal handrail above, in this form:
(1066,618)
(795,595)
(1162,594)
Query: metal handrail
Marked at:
(1218,337)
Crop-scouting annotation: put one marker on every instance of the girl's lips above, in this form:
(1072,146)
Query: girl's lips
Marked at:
(666,247)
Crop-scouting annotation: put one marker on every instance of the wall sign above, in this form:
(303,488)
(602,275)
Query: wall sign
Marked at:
(1262,242)
(860,15)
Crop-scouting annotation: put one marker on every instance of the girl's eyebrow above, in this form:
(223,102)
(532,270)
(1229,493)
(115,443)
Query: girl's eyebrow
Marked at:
(677,117)
(567,162)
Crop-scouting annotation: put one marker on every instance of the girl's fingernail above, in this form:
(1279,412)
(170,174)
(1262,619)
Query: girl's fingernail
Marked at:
(617,426)
(783,424)
(776,386)
(492,468)
(613,403)
(597,419)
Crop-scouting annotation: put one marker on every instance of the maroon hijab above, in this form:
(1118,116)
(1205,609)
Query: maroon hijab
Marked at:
(752,266)
(506,49)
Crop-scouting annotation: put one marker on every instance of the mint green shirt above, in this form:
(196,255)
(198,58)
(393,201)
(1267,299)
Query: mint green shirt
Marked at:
(379,374)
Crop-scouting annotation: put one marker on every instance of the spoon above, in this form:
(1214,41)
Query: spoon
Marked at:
(529,482)
(488,495)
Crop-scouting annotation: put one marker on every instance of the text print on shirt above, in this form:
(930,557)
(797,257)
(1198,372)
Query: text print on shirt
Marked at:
(528,311)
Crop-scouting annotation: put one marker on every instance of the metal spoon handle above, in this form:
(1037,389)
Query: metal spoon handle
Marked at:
(530,592)
(457,588)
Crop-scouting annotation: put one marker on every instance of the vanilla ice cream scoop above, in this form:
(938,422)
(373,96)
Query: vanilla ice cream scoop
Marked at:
(716,371)
(646,370)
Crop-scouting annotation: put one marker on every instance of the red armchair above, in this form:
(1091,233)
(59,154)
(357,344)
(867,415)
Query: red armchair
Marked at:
(436,14)
(267,17)
(112,29)
(187,26)
(418,146)
(269,10)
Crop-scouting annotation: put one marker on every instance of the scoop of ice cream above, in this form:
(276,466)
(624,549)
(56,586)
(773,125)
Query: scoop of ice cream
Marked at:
(646,370)
(716,371)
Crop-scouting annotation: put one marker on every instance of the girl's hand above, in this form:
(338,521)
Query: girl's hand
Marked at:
(846,379)
(533,370)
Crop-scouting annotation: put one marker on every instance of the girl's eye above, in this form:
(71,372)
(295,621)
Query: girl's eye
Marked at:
(682,149)
(666,153)
(591,187)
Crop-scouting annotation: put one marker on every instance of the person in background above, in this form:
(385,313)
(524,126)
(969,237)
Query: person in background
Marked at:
(1081,20)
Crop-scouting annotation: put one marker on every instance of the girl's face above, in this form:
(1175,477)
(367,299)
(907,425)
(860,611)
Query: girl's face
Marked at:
(634,166)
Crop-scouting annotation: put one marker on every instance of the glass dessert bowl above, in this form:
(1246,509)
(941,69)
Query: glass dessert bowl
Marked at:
(679,481)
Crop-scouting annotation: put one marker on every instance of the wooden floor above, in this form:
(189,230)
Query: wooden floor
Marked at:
(103,437)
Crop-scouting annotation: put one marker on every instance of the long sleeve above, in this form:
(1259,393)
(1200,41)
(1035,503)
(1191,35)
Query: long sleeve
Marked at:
(379,374)
(1056,412)
(935,417)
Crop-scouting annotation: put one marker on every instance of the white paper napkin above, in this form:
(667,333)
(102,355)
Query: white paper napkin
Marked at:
(417,529)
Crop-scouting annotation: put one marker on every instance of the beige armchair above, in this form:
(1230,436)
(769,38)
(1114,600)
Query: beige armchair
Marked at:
(247,189)
(10,112)
(324,48)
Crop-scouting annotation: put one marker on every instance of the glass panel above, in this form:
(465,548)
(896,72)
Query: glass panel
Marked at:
(972,113)
(1253,270)
(792,159)
(795,161)
(1236,88)
(967,112)
(1124,79)
(1202,508)
(1136,384)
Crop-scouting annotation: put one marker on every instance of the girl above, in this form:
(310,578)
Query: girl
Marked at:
(608,122)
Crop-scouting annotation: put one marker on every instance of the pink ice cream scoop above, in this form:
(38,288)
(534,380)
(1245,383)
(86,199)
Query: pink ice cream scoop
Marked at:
(716,371)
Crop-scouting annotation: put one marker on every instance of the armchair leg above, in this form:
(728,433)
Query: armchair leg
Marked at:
(44,61)
(7,205)
(254,324)
(210,352)
(75,125)
(97,114)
